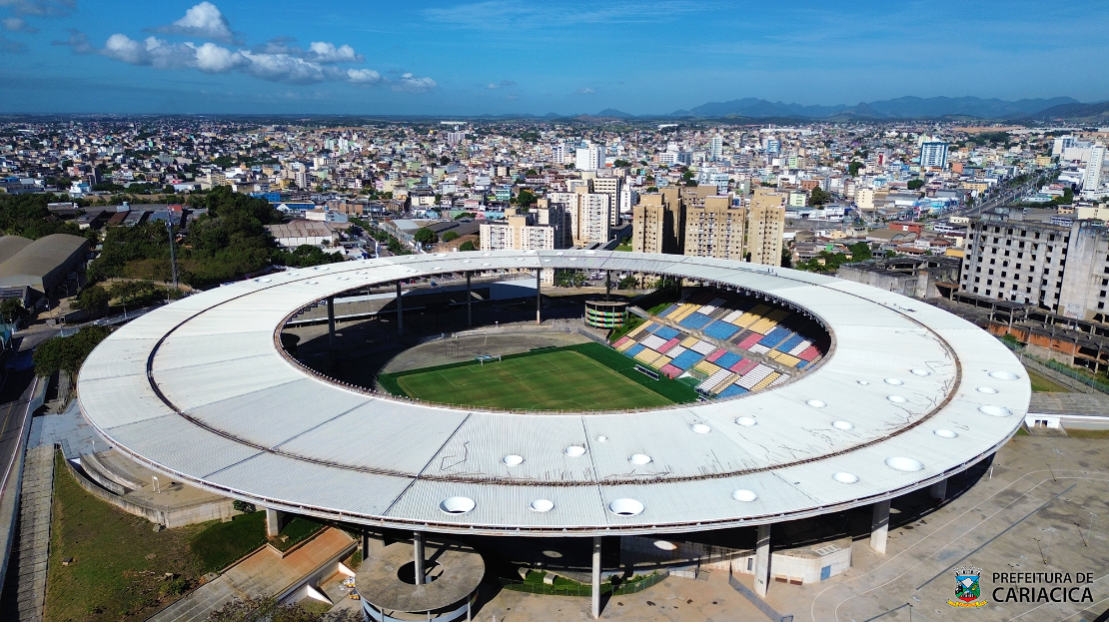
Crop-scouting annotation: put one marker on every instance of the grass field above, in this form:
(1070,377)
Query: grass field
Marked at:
(1043,384)
(581,377)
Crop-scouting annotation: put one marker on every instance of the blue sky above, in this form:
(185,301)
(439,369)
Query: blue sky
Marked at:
(505,56)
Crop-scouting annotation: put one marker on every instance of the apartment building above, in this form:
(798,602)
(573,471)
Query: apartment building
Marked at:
(766,227)
(612,187)
(656,224)
(517,234)
(714,228)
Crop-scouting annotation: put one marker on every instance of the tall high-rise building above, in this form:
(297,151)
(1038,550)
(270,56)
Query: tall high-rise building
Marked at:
(656,223)
(518,233)
(611,187)
(590,157)
(454,138)
(594,217)
(716,147)
(766,227)
(559,153)
(1092,179)
(933,154)
(715,229)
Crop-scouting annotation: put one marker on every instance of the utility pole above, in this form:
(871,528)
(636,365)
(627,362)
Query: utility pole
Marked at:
(172,253)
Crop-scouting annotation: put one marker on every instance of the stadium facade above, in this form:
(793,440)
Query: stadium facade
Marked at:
(906,396)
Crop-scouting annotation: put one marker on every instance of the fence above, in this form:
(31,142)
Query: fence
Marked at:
(581,589)
(1063,369)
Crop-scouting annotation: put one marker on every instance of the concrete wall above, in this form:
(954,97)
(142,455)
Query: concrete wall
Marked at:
(802,565)
(169,517)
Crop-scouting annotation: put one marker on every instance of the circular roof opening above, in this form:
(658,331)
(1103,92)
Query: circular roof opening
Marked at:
(639,459)
(626,507)
(665,545)
(701,428)
(897,399)
(512,460)
(893,382)
(575,451)
(1004,375)
(456,505)
(904,464)
(920,372)
(987,390)
(863,383)
(602,438)
(745,421)
(744,496)
(263,280)
(541,505)
(816,403)
(994,410)
(845,477)
(843,425)
(945,433)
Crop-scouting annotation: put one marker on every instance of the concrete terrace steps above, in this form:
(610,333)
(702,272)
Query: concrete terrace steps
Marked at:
(32,553)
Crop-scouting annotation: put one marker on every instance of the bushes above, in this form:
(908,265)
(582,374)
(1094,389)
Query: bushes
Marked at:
(223,543)
(69,353)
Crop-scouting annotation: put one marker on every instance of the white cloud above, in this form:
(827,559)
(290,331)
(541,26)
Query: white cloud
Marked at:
(493,86)
(584,91)
(323,52)
(412,84)
(17,24)
(363,76)
(275,61)
(41,8)
(204,20)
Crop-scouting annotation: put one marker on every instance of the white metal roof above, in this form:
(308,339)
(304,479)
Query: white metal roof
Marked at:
(200,389)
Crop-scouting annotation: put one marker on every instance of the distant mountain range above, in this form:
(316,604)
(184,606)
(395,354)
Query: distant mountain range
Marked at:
(900,108)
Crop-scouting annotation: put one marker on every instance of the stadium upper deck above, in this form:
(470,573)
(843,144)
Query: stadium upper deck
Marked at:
(905,395)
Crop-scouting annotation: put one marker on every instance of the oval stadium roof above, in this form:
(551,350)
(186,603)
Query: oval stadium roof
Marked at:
(907,395)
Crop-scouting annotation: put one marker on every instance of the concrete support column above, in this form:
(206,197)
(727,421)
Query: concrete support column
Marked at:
(418,560)
(608,285)
(762,560)
(331,322)
(880,527)
(365,544)
(273,522)
(400,312)
(469,303)
(596,577)
(538,295)
(938,490)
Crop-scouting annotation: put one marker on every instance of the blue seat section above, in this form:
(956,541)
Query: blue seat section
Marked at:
(695,321)
(652,327)
(732,390)
(684,361)
(792,342)
(668,311)
(721,330)
(667,333)
(775,336)
(633,351)
(727,360)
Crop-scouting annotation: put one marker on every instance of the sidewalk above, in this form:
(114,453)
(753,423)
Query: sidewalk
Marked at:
(262,574)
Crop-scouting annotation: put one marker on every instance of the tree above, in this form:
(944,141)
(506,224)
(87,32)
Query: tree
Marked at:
(819,197)
(915,184)
(425,236)
(449,236)
(854,167)
(627,282)
(92,299)
(467,246)
(525,198)
(67,354)
(444,161)
(860,251)
(787,259)
(12,310)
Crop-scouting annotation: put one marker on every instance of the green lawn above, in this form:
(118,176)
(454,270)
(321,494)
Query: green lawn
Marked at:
(120,563)
(223,543)
(581,377)
(1041,383)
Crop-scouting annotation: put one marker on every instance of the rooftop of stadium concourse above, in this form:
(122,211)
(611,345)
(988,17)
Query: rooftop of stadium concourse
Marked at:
(905,395)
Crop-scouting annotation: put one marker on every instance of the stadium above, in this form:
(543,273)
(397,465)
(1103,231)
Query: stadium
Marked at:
(760,397)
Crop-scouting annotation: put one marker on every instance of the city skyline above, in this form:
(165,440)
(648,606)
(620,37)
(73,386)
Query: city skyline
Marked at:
(505,57)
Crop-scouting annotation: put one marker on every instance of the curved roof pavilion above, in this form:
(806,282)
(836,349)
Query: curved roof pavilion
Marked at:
(201,390)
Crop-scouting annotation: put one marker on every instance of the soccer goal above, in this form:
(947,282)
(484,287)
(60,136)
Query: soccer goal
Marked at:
(487,358)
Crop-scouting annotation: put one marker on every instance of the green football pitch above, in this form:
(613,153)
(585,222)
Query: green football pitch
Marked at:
(586,377)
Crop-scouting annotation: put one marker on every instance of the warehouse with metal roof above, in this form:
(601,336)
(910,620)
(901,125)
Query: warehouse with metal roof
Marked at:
(41,264)
(907,396)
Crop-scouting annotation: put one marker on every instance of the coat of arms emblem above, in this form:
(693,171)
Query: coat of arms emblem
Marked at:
(967,589)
